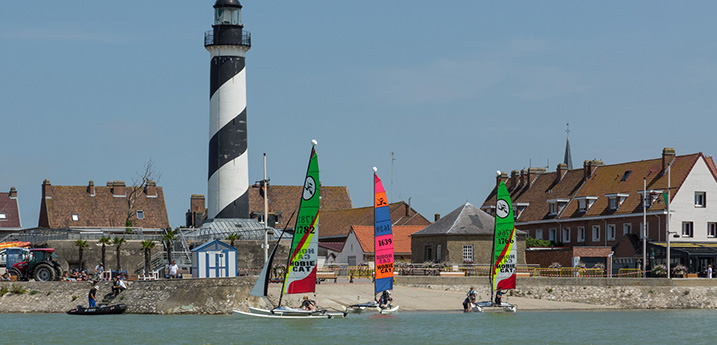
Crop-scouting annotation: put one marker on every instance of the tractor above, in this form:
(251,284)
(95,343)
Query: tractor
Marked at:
(39,264)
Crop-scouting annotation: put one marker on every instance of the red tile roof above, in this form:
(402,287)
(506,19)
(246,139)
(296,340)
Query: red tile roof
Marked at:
(103,209)
(605,179)
(9,208)
(283,200)
(401,237)
(337,223)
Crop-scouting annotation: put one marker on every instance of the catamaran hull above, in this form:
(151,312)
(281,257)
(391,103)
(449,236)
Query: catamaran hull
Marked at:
(512,308)
(290,313)
(368,307)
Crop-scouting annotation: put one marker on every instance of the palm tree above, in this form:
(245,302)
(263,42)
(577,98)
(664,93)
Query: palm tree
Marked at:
(168,238)
(104,240)
(147,245)
(233,237)
(118,241)
(81,245)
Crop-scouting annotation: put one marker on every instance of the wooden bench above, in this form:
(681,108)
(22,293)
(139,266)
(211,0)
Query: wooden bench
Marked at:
(453,274)
(323,275)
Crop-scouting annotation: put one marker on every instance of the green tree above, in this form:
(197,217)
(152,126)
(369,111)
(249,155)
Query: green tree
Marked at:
(233,237)
(81,245)
(147,245)
(118,241)
(168,238)
(104,241)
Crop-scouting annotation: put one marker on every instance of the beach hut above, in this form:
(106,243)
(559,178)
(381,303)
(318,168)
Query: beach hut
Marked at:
(214,259)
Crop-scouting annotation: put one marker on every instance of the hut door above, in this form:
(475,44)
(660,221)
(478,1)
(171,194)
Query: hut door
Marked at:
(221,266)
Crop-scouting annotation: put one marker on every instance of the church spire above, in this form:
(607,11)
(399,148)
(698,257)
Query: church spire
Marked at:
(568,160)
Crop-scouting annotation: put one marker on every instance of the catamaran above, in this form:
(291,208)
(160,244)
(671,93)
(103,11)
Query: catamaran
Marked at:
(383,252)
(504,258)
(300,274)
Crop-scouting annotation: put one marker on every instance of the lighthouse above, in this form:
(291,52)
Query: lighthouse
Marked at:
(228,181)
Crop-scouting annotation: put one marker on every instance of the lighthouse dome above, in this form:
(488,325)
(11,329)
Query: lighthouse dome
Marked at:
(227,3)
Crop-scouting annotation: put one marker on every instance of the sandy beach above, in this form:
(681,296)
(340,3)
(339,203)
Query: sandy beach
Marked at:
(337,295)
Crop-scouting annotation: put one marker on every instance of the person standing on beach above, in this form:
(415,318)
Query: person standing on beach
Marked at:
(91,297)
(471,298)
(709,271)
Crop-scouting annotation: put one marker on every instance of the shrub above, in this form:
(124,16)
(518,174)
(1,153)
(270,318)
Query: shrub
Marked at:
(3,291)
(17,289)
(34,292)
(600,266)
(74,298)
(679,270)
(660,270)
(532,242)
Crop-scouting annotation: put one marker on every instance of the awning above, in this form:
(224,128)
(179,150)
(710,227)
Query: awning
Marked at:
(691,248)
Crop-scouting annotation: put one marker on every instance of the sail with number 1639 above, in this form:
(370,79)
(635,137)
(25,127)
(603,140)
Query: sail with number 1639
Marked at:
(301,269)
(505,255)
(383,238)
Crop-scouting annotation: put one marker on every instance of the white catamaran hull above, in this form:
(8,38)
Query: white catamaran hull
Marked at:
(290,313)
(368,307)
(478,307)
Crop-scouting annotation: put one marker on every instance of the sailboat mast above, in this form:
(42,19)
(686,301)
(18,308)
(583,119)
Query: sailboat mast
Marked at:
(375,264)
(492,251)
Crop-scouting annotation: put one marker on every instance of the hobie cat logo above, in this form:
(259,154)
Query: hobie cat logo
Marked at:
(309,188)
(501,208)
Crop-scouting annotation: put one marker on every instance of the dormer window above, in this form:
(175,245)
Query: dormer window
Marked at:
(518,208)
(585,202)
(615,200)
(649,200)
(556,205)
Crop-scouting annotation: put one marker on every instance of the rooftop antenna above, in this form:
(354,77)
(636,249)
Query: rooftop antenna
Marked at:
(568,160)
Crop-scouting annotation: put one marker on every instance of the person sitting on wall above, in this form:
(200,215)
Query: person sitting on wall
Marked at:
(6,276)
(118,286)
(307,304)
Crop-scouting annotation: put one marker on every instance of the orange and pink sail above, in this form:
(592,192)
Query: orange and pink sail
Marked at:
(383,239)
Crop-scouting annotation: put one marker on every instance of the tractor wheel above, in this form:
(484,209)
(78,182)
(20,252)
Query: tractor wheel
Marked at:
(44,273)
(15,272)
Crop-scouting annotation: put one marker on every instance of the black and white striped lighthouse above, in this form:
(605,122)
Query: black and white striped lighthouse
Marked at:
(227,195)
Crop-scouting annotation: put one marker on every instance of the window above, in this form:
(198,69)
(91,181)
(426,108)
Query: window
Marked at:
(711,229)
(611,232)
(625,175)
(75,217)
(552,235)
(539,234)
(700,199)
(351,260)
(553,208)
(428,253)
(615,200)
(596,233)
(566,235)
(140,214)
(581,234)
(585,202)
(3,216)
(612,203)
(687,229)
(626,228)
(468,253)
(556,205)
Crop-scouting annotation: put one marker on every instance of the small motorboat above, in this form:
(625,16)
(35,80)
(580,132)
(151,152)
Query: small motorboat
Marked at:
(99,310)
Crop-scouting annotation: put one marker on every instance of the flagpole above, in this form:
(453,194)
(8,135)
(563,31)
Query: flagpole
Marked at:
(644,227)
(266,213)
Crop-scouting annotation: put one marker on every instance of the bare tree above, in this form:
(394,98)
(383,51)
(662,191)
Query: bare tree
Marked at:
(139,183)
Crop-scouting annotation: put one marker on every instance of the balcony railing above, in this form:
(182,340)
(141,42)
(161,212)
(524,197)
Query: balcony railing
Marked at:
(245,39)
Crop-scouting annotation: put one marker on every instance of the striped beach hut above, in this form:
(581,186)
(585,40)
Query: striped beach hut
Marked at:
(214,259)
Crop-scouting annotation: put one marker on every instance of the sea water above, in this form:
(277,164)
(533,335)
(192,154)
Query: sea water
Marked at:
(534,327)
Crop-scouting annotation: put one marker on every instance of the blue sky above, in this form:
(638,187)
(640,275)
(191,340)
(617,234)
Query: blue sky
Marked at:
(457,90)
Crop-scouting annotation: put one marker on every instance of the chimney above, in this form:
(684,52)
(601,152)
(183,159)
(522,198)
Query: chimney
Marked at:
(532,173)
(13,192)
(514,178)
(151,188)
(668,155)
(91,188)
(523,177)
(118,188)
(562,169)
(589,167)
(196,203)
(436,217)
(408,208)
(46,189)
(501,176)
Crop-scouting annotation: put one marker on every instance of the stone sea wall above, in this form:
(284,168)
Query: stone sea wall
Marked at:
(628,293)
(180,296)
